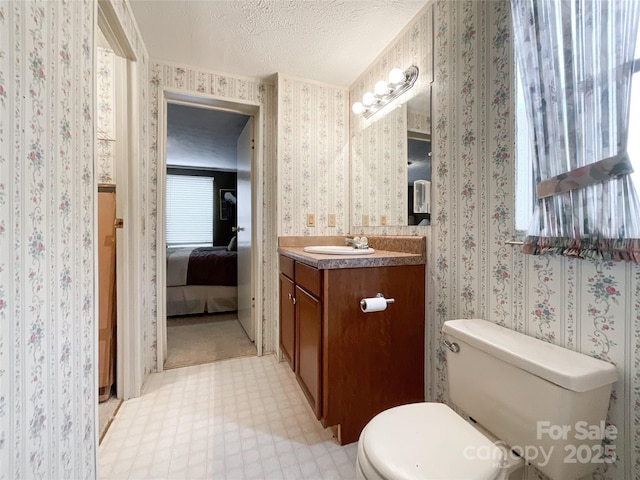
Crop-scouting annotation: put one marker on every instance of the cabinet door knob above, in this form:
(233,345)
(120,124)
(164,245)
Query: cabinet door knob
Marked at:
(289,296)
(294,300)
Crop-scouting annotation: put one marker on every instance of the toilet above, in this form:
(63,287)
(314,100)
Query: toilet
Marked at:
(523,400)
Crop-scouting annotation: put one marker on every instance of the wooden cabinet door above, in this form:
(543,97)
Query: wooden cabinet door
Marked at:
(106,290)
(371,361)
(309,347)
(287,319)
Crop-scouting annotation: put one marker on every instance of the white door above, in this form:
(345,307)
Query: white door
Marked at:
(245,290)
(128,362)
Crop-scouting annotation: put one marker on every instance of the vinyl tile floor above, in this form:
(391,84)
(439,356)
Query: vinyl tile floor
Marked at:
(244,418)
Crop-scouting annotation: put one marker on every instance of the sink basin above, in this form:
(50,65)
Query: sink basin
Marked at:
(338,250)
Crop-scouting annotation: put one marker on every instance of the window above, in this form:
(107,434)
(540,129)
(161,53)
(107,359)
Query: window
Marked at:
(525,183)
(525,199)
(189,210)
(633,146)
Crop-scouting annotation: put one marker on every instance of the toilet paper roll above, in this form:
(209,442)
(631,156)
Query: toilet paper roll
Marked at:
(377,304)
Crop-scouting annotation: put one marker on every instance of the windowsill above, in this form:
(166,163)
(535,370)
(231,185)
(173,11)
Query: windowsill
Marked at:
(193,245)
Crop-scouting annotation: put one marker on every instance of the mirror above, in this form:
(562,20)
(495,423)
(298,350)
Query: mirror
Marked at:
(391,165)
(419,159)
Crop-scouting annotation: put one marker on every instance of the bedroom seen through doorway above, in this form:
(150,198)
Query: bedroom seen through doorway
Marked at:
(208,192)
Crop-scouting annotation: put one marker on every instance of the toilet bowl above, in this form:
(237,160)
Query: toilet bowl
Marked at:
(431,441)
(505,382)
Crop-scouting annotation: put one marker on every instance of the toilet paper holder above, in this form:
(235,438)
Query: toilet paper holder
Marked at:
(378,295)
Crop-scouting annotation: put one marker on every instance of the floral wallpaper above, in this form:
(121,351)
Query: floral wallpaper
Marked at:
(587,306)
(223,87)
(105,116)
(47,200)
(48,171)
(418,121)
(313,157)
(592,307)
(47,304)
(379,173)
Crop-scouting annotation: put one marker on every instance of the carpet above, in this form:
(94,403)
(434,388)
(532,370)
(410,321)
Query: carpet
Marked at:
(106,412)
(199,339)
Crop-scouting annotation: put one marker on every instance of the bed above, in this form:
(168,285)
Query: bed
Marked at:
(200,280)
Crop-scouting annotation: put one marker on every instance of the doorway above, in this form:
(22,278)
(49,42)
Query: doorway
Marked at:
(207,152)
(234,189)
(116,131)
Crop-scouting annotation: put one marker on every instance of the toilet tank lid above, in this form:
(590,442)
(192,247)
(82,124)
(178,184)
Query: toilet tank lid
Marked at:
(572,370)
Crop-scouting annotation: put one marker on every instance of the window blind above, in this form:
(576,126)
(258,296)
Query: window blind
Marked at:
(189,210)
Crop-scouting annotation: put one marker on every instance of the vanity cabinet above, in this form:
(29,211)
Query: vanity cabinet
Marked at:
(301,326)
(352,365)
(287,319)
(308,347)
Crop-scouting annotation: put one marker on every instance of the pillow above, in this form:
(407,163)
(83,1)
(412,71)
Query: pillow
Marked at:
(233,245)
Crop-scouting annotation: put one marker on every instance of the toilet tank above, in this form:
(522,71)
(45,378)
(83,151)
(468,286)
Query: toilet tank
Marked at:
(546,402)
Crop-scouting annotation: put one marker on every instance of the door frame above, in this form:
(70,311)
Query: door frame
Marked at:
(168,95)
(129,368)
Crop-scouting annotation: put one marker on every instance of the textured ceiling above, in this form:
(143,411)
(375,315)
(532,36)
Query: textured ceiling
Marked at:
(331,41)
(202,137)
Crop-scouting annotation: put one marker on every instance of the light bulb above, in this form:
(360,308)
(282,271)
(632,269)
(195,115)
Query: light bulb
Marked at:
(396,76)
(381,88)
(357,108)
(368,99)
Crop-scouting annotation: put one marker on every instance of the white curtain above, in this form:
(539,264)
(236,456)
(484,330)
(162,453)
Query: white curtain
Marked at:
(576,59)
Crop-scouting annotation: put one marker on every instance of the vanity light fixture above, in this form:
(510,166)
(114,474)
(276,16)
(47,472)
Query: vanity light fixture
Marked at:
(384,92)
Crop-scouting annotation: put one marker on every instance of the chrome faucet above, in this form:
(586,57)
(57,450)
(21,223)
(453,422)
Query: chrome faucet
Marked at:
(358,242)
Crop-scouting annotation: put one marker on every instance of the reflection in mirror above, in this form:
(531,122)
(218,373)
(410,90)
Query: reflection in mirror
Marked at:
(378,168)
(383,145)
(387,158)
(419,159)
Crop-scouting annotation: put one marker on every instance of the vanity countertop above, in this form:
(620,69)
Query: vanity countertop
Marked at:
(293,247)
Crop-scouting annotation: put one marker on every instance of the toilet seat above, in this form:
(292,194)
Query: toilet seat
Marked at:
(426,441)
